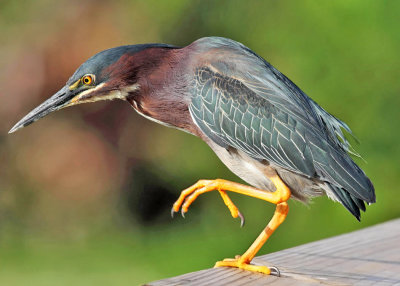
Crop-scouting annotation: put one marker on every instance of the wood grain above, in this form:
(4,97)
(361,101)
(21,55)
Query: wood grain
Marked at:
(366,257)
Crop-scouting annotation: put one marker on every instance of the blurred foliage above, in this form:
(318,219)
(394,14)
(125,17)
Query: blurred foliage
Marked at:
(86,193)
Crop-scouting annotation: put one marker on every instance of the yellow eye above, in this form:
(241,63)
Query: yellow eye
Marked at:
(88,79)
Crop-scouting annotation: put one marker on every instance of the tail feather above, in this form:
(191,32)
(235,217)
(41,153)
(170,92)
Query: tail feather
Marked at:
(348,182)
(350,202)
(360,203)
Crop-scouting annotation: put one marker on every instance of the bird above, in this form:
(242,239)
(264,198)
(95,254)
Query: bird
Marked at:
(261,125)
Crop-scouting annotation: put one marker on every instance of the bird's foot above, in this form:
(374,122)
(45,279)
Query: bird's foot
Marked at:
(239,263)
(189,195)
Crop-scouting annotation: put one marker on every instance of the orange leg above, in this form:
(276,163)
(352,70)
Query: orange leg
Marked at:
(279,197)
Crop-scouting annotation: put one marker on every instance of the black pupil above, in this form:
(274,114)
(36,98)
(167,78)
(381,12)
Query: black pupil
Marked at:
(86,80)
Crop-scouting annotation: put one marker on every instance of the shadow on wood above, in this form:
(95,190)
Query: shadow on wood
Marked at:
(366,257)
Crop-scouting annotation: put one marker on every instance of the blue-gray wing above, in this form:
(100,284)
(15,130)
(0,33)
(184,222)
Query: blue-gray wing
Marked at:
(248,116)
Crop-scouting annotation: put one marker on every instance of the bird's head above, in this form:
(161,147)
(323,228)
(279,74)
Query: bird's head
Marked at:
(110,74)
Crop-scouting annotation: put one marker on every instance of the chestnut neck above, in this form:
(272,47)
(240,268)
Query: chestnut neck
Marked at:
(164,87)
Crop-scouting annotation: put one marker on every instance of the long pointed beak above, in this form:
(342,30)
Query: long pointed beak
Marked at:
(54,103)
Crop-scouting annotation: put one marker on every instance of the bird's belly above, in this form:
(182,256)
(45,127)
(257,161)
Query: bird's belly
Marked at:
(257,173)
(248,169)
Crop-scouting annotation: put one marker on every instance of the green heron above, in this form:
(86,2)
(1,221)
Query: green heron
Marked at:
(259,123)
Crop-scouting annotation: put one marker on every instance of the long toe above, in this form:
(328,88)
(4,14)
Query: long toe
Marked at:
(245,266)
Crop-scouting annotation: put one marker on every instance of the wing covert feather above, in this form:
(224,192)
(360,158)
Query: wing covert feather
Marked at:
(233,115)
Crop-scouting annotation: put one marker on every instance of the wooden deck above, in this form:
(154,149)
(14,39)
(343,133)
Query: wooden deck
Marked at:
(366,257)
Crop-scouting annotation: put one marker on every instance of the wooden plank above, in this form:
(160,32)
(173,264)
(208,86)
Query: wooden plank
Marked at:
(366,257)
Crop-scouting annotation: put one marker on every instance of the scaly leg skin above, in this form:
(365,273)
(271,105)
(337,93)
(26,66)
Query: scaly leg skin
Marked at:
(279,197)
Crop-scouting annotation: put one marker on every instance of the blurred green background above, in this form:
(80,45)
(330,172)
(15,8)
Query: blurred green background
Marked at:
(85,193)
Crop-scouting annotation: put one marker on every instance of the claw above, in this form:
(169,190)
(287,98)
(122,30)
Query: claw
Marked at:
(275,271)
(183,213)
(242,220)
(172,212)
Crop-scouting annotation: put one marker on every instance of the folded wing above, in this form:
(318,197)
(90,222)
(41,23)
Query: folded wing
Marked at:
(281,125)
